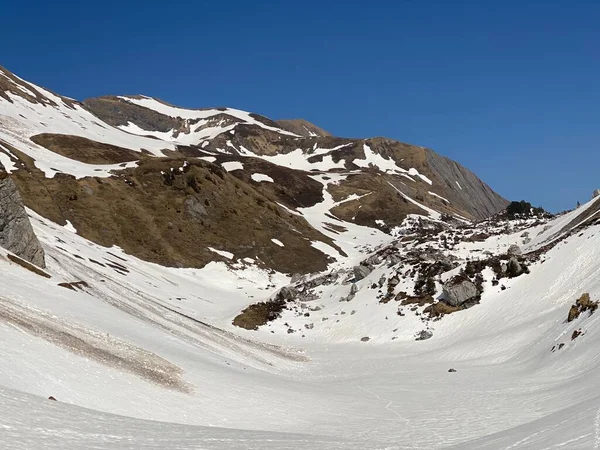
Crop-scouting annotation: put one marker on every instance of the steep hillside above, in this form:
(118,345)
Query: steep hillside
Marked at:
(108,334)
(302,128)
(222,178)
(216,279)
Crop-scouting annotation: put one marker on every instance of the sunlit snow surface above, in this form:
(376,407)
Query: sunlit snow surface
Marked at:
(330,391)
(147,357)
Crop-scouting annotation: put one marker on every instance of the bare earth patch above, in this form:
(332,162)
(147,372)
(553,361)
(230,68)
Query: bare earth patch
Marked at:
(100,347)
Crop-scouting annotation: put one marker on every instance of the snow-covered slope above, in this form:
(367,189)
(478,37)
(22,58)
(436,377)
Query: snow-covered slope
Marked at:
(149,343)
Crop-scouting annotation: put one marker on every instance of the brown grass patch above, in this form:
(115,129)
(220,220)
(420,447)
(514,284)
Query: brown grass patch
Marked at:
(169,216)
(259,314)
(420,300)
(85,150)
(440,309)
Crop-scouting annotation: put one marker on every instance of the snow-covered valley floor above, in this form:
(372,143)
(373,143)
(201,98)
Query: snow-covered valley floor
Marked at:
(146,357)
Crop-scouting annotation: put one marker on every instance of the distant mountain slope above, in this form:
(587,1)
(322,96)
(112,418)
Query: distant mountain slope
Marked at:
(253,181)
(302,127)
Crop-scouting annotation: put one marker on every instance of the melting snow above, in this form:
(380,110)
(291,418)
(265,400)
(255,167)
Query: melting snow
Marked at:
(432,213)
(258,177)
(439,196)
(223,253)
(69,226)
(230,166)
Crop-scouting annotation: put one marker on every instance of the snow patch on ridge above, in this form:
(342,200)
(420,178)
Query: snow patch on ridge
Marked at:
(258,177)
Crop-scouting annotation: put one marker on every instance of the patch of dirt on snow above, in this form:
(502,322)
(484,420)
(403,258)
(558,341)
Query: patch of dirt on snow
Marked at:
(99,347)
(85,150)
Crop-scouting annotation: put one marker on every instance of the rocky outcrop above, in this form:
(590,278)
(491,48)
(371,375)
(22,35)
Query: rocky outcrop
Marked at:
(596,193)
(423,335)
(459,290)
(16,233)
(514,250)
(473,194)
(361,272)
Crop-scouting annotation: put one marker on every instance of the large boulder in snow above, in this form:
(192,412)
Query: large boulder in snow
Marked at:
(513,267)
(16,233)
(361,272)
(458,290)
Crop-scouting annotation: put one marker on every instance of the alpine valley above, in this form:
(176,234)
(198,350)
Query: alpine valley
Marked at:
(212,278)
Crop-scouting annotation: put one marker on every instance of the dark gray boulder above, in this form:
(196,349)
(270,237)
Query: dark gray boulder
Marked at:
(458,290)
(514,250)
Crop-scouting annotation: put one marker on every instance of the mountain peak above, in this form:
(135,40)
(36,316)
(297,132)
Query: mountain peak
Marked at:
(302,127)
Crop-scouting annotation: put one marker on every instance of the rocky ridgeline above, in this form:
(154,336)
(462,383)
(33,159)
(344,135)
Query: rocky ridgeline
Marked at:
(424,271)
(16,233)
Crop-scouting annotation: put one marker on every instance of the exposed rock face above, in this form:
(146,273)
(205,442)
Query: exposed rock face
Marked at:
(458,290)
(596,193)
(16,233)
(474,194)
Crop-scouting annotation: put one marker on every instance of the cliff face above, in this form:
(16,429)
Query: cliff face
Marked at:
(16,233)
(472,193)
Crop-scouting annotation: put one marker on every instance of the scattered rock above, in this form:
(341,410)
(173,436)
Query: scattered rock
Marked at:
(583,304)
(394,259)
(576,334)
(365,339)
(296,277)
(452,370)
(373,260)
(52,398)
(514,250)
(361,272)
(423,335)
(287,293)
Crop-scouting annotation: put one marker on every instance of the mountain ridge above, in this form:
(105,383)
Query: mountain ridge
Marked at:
(58,150)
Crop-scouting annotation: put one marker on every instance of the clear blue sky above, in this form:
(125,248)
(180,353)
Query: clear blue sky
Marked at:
(508,88)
